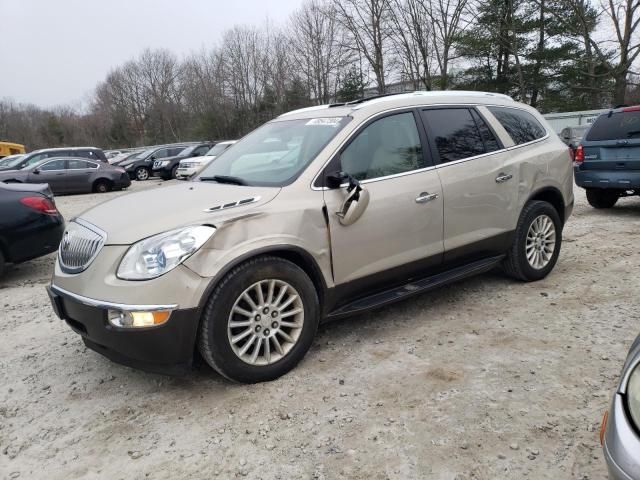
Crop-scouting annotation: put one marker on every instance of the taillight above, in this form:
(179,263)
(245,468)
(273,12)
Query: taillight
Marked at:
(578,156)
(41,204)
(635,108)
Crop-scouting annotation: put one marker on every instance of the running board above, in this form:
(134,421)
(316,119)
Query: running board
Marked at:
(415,287)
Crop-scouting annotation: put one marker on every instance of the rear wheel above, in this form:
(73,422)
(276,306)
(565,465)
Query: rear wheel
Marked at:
(174,172)
(537,242)
(260,320)
(601,198)
(102,186)
(142,173)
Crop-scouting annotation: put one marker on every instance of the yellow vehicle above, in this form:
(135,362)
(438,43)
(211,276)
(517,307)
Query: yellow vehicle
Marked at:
(8,148)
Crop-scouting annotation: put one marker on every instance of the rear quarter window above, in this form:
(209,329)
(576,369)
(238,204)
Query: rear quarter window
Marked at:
(617,126)
(521,126)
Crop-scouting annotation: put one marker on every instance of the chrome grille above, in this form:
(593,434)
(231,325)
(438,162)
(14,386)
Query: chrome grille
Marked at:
(79,246)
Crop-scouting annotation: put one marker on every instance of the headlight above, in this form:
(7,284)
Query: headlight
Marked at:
(633,395)
(157,255)
(164,163)
(128,167)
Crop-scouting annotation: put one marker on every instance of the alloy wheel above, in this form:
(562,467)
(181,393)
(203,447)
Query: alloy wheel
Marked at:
(142,174)
(265,322)
(541,242)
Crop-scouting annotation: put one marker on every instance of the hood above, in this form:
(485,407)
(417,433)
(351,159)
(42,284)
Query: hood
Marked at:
(204,158)
(134,216)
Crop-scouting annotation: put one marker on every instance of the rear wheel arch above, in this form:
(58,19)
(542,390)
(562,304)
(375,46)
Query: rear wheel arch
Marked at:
(552,196)
(102,180)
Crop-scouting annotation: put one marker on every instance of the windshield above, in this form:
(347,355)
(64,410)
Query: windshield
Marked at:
(276,153)
(187,151)
(218,149)
(11,160)
(146,153)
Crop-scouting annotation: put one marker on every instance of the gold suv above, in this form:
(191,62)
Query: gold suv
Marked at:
(321,213)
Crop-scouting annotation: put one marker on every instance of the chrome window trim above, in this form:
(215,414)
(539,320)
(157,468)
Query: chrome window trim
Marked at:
(440,165)
(112,305)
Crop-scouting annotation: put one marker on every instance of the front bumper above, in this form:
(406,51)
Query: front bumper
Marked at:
(612,179)
(162,172)
(186,172)
(123,182)
(621,443)
(168,348)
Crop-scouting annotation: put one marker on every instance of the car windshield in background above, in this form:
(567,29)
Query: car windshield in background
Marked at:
(187,151)
(276,153)
(217,149)
(146,153)
(615,126)
(11,162)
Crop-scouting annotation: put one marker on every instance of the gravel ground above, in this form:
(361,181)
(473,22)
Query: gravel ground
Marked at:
(486,379)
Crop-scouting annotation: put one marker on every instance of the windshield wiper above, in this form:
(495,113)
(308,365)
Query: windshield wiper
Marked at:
(632,133)
(224,179)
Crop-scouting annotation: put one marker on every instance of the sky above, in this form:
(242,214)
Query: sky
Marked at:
(54,52)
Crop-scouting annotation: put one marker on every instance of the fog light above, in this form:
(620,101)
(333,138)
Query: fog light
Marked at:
(125,319)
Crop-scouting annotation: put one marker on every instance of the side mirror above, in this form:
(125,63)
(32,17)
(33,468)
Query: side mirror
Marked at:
(36,172)
(356,201)
(336,179)
(152,157)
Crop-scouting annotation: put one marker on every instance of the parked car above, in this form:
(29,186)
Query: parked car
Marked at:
(36,156)
(166,168)
(112,153)
(30,224)
(191,166)
(620,430)
(318,214)
(571,136)
(11,160)
(71,175)
(139,167)
(607,161)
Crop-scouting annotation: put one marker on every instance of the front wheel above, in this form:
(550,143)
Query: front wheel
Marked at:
(260,320)
(142,173)
(601,198)
(537,242)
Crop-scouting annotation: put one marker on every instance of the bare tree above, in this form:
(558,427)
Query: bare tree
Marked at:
(368,24)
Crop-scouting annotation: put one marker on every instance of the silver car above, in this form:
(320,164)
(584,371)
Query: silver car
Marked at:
(320,213)
(620,431)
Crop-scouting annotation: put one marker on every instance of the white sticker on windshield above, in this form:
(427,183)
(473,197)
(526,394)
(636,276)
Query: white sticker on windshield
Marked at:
(327,122)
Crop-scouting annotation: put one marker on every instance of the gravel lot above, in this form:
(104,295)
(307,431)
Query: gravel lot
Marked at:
(487,379)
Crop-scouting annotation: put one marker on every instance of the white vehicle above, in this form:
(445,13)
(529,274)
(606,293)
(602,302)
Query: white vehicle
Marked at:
(191,166)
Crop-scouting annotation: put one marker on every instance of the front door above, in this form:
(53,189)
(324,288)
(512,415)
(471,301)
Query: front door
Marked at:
(477,180)
(52,172)
(399,235)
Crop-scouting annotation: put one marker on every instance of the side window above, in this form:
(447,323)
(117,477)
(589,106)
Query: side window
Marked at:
(491,143)
(174,151)
(201,151)
(53,165)
(387,146)
(521,126)
(84,154)
(455,133)
(80,164)
(161,153)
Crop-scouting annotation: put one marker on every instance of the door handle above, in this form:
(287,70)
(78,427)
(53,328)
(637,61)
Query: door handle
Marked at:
(425,197)
(503,177)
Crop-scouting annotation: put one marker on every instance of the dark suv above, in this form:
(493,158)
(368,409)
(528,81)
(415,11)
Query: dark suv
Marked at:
(166,168)
(139,167)
(607,161)
(36,156)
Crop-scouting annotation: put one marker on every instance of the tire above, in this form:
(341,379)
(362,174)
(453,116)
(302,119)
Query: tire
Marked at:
(174,173)
(214,339)
(102,186)
(142,174)
(601,198)
(518,263)
(2,264)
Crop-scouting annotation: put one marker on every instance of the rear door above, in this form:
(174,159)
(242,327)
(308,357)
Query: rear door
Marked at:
(480,192)
(79,175)
(613,142)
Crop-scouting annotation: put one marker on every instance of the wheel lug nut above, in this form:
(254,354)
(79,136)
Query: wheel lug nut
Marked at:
(265,310)
(266,332)
(274,314)
(258,318)
(274,325)
(258,328)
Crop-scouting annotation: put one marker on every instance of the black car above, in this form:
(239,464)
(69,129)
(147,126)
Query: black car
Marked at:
(139,167)
(36,156)
(166,168)
(30,224)
(71,175)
